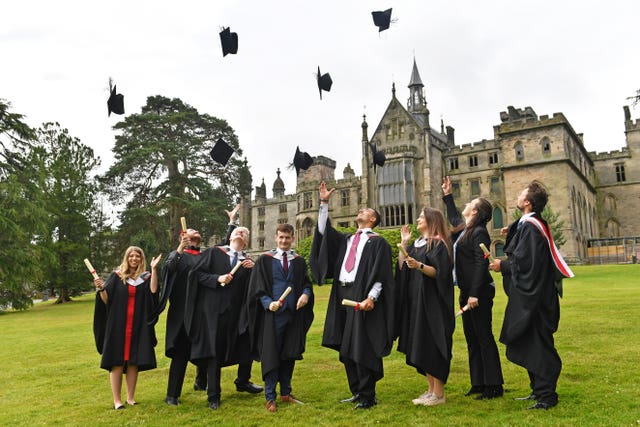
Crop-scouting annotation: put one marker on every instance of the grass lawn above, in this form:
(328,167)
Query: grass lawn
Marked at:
(50,372)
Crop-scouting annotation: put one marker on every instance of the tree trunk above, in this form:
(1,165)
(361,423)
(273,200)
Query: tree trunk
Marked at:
(63,296)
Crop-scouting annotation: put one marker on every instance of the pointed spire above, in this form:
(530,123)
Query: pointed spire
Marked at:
(365,126)
(415,76)
(393,89)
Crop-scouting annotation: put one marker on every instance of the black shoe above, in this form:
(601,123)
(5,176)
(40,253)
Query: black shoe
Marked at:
(119,407)
(173,401)
(491,392)
(475,389)
(214,404)
(351,399)
(199,385)
(249,387)
(529,397)
(366,404)
(542,405)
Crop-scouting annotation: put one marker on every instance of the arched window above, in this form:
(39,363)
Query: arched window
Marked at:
(306,229)
(613,228)
(546,145)
(498,223)
(519,151)
(610,202)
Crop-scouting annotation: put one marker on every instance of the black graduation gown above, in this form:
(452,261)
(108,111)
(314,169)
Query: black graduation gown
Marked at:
(364,337)
(533,308)
(472,268)
(207,300)
(426,312)
(261,321)
(175,272)
(109,322)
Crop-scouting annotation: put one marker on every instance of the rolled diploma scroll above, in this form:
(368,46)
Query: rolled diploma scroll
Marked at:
(91,269)
(183,223)
(487,254)
(351,303)
(463,309)
(232,272)
(403,250)
(234,269)
(284,295)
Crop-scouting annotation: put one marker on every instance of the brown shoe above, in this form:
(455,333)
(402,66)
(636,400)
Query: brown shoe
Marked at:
(271,406)
(290,398)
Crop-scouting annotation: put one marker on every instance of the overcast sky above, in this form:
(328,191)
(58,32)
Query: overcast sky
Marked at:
(475,59)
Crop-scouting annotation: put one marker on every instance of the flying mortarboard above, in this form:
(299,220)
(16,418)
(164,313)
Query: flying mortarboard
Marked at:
(378,156)
(301,160)
(324,82)
(229,41)
(382,19)
(221,152)
(115,103)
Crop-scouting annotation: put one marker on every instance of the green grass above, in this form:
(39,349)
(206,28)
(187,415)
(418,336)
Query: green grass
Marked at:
(50,372)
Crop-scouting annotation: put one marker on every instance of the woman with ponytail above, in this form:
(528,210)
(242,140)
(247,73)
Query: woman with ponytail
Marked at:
(471,275)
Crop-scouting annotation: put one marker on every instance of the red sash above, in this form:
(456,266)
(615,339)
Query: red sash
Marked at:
(559,262)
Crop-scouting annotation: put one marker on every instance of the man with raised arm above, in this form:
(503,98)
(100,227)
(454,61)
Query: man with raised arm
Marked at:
(361,268)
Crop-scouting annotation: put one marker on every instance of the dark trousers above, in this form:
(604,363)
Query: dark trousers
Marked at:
(178,366)
(284,372)
(282,375)
(214,364)
(362,380)
(244,373)
(544,388)
(484,359)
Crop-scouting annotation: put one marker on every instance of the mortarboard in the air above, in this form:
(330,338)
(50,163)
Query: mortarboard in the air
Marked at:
(221,152)
(324,82)
(115,103)
(378,156)
(382,19)
(229,41)
(301,160)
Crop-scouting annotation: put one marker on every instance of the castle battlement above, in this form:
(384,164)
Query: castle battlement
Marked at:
(632,125)
(610,155)
(485,144)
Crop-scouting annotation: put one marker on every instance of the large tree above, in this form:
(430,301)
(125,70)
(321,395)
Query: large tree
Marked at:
(163,171)
(68,192)
(22,216)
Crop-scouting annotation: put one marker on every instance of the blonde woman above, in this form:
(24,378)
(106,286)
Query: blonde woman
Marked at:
(123,335)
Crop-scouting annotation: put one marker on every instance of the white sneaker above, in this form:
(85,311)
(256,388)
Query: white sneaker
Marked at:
(435,400)
(420,400)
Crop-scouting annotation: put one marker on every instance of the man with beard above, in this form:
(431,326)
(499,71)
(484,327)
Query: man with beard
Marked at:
(532,277)
(178,346)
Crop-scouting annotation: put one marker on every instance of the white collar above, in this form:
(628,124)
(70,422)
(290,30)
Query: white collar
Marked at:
(525,216)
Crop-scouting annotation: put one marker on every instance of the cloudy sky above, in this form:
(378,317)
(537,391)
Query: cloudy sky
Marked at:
(475,59)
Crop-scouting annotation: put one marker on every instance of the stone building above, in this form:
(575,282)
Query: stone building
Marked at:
(594,194)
